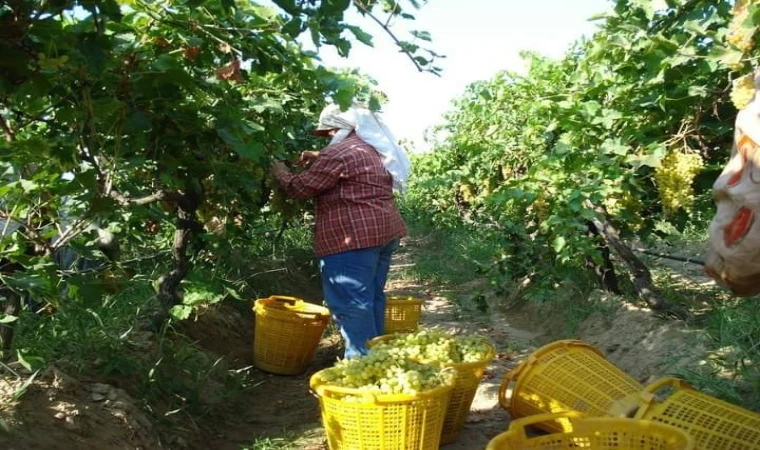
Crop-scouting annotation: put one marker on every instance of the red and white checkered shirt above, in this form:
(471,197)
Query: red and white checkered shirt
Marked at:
(354,197)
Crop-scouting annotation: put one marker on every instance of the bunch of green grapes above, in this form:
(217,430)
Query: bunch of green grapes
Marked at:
(437,346)
(387,371)
(621,202)
(465,190)
(624,205)
(541,207)
(739,35)
(674,178)
(742,91)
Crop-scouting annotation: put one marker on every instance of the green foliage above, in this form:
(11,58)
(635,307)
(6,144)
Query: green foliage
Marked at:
(158,122)
(278,443)
(450,255)
(536,156)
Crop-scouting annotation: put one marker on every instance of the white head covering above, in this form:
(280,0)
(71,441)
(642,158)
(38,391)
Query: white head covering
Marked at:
(371,129)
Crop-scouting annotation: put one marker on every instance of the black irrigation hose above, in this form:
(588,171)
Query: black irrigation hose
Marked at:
(674,258)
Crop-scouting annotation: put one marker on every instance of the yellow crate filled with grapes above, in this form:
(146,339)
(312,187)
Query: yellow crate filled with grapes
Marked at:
(383,400)
(468,355)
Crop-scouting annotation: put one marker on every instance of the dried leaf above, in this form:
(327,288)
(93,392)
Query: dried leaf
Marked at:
(192,53)
(160,42)
(230,72)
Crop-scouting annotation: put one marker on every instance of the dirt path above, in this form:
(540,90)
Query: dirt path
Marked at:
(278,412)
(512,341)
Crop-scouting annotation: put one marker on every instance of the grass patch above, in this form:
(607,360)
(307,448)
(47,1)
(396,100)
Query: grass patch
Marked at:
(451,256)
(730,370)
(286,442)
(166,372)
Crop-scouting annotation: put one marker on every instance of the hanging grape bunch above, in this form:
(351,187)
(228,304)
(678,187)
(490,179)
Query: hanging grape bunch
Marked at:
(741,36)
(733,256)
(674,178)
(740,31)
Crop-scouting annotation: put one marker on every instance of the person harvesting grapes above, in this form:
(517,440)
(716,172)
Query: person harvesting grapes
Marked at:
(358,226)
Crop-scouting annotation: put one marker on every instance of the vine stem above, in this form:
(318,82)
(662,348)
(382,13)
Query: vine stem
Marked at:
(9,134)
(390,33)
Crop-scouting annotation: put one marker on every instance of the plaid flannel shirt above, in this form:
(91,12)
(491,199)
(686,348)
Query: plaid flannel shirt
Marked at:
(354,197)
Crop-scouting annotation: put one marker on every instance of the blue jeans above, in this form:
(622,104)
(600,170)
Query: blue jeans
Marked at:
(353,284)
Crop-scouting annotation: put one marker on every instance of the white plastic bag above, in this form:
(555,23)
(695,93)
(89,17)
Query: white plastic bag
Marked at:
(733,257)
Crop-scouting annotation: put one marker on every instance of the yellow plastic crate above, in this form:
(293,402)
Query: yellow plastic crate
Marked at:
(465,387)
(713,423)
(287,333)
(595,433)
(565,375)
(356,420)
(402,314)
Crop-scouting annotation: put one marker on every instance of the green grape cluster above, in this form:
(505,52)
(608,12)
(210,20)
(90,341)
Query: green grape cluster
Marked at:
(742,91)
(674,178)
(387,371)
(625,203)
(541,207)
(739,35)
(436,346)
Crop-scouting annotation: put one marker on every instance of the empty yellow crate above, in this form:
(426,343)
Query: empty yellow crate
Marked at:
(594,433)
(402,314)
(565,375)
(287,333)
(713,423)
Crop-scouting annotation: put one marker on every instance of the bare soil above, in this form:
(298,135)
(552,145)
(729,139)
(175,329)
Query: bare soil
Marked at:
(59,412)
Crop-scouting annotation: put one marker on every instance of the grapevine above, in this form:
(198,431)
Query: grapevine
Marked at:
(674,179)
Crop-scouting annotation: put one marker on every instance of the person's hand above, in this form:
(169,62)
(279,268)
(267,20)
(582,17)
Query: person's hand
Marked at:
(278,168)
(307,158)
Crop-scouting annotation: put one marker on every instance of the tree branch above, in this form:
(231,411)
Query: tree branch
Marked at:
(10,136)
(124,200)
(642,279)
(390,16)
(151,198)
(74,230)
(679,13)
(390,33)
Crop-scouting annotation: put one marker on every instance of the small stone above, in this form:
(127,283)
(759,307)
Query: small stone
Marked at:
(97,397)
(62,381)
(144,422)
(100,388)
(120,405)
(60,416)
